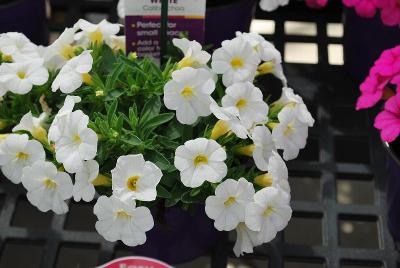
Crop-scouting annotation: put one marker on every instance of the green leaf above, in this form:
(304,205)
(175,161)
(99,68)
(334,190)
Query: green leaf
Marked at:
(113,77)
(114,94)
(132,140)
(195,191)
(151,108)
(162,192)
(111,110)
(158,120)
(159,159)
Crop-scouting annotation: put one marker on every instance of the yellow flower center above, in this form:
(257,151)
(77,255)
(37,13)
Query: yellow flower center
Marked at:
(67,52)
(230,201)
(96,37)
(22,156)
(288,130)
(77,139)
(132,183)
(7,58)
(187,92)
(237,63)
(21,75)
(49,183)
(268,211)
(87,79)
(186,62)
(200,160)
(123,215)
(241,103)
(264,180)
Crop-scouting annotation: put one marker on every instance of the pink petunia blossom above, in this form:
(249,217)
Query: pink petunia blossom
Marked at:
(364,8)
(388,121)
(390,12)
(388,63)
(317,4)
(372,90)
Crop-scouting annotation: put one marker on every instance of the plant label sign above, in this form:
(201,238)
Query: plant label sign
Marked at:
(143,22)
(135,262)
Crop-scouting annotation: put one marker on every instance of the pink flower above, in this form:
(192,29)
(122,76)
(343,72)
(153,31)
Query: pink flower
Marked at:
(388,63)
(316,3)
(364,8)
(388,121)
(371,91)
(390,13)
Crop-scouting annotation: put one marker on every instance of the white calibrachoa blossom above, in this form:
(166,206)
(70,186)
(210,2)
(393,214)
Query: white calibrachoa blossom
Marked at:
(134,178)
(61,119)
(230,116)
(17,152)
(248,100)
(77,142)
(16,47)
(74,73)
(236,60)
(47,187)
(119,220)
(194,56)
(277,175)
(20,77)
(264,147)
(200,160)
(271,5)
(189,93)
(246,240)
(290,134)
(228,206)
(291,100)
(34,125)
(269,213)
(96,33)
(83,187)
(61,50)
(3,90)
(268,54)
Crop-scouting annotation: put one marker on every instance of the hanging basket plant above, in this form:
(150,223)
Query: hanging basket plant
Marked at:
(81,119)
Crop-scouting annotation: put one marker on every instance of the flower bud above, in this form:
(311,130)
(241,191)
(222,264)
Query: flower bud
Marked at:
(102,180)
(264,180)
(220,129)
(246,150)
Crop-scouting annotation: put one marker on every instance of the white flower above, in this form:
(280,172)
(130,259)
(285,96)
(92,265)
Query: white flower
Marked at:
(228,206)
(118,42)
(248,100)
(267,52)
(95,33)
(47,187)
(121,9)
(264,147)
(236,60)
(17,152)
(34,125)
(20,77)
(134,178)
(3,90)
(294,101)
(119,220)
(277,175)
(200,160)
(61,51)
(269,213)
(271,5)
(246,240)
(17,47)
(194,56)
(60,121)
(74,73)
(77,142)
(290,134)
(83,187)
(230,116)
(189,93)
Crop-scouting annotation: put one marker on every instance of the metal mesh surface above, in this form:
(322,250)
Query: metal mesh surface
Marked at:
(338,182)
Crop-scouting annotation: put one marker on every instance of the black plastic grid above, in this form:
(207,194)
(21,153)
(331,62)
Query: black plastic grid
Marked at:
(342,147)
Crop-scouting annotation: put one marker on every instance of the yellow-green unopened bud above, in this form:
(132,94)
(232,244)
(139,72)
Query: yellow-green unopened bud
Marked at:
(220,129)
(186,62)
(87,79)
(132,56)
(272,125)
(3,124)
(266,68)
(40,134)
(264,180)
(102,180)
(99,93)
(246,150)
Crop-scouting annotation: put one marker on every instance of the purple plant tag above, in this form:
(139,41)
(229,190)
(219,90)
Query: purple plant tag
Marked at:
(142,23)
